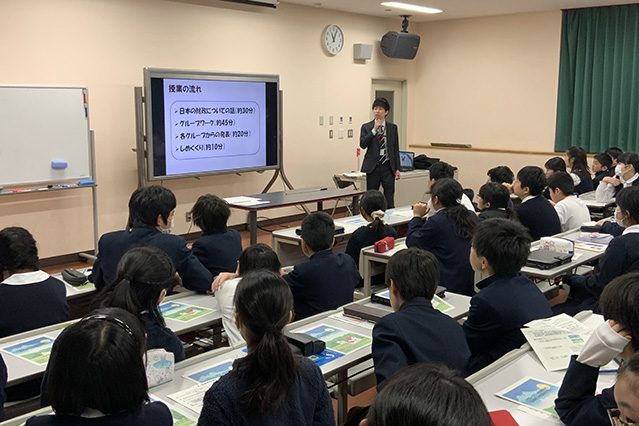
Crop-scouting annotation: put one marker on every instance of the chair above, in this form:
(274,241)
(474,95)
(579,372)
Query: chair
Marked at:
(341,184)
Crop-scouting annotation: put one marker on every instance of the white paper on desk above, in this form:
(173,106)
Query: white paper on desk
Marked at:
(554,347)
(398,247)
(180,418)
(561,322)
(192,398)
(246,201)
(400,213)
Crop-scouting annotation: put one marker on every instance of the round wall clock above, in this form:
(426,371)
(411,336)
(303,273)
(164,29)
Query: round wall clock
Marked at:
(333,39)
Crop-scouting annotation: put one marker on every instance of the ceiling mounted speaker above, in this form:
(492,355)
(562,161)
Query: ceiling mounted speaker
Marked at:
(400,45)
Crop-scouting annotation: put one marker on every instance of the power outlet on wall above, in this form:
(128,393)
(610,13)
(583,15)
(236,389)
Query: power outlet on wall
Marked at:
(189,216)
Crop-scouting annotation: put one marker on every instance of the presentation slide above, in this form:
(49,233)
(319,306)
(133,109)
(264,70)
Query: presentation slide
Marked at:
(214,125)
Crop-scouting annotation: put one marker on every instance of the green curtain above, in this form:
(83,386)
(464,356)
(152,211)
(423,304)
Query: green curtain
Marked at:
(598,97)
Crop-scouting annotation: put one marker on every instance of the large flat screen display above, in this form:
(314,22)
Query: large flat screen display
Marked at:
(202,123)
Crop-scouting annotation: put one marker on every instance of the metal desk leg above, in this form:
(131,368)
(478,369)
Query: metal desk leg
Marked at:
(342,397)
(253,226)
(320,206)
(366,270)
(355,205)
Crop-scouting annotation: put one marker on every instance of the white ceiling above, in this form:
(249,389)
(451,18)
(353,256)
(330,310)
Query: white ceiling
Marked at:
(455,9)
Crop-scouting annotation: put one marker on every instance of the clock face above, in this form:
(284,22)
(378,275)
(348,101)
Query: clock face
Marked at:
(333,39)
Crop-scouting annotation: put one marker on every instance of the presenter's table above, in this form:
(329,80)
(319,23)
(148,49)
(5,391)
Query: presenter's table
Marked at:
(295,197)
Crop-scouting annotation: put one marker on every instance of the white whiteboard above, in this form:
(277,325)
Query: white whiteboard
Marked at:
(39,125)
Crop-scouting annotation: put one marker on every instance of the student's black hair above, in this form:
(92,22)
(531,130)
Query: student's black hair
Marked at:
(449,192)
(318,231)
(415,273)
(149,202)
(504,243)
(604,159)
(580,161)
(556,164)
(631,366)
(18,250)
(142,274)
(619,301)
(373,201)
(98,363)
(501,174)
(563,181)
(533,178)
(628,158)
(258,256)
(381,102)
(469,193)
(440,170)
(614,152)
(263,303)
(628,200)
(210,213)
(498,196)
(428,394)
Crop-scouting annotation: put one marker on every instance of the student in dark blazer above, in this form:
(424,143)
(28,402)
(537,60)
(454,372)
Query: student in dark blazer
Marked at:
(493,200)
(507,298)
(447,235)
(621,256)
(29,298)
(535,212)
(578,403)
(219,247)
(602,167)
(575,158)
(151,211)
(416,332)
(3,383)
(380,138)
(327,280)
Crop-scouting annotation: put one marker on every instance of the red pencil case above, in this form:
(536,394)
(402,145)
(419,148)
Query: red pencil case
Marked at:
(385,244)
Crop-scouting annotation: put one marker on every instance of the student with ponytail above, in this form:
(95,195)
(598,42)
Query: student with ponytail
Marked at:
(143,276)
(270,385)
(373,208)
(446,234)
(577,160)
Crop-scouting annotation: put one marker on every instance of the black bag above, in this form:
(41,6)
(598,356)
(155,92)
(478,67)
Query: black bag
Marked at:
(73,277)
(424,162)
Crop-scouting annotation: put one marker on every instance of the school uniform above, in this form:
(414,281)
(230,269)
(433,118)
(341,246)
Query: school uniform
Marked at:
(113,245)
(323,283)
(3,383)
(466,202)
(602,174)
(438,236)
(219,252)
(153,414)
(491,213)
(621,257)
(417,333)
(307,402)
(612,228)
(539,216)
(503,305)
(583,182)
(605,192)
(572,213)
(161,337)
(31,300)
(365,236)
(224,296)
(577,402)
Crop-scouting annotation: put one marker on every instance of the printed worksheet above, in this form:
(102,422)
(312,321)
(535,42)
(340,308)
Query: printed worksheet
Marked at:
(181,312)
(35,350)
(338,340)
(532,393)
(211,373)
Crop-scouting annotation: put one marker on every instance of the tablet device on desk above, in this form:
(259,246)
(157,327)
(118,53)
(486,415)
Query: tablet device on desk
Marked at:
(546,259)
(338,230)
(406,159)
(383,297)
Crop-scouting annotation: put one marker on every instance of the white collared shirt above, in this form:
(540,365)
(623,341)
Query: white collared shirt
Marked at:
(572,213)
(634,229)
(25,278)
(464,200)
(377,131)
(530,197)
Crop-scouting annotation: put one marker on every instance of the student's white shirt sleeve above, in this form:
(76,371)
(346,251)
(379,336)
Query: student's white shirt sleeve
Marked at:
(431,211)
(562,211)
(224,296)
(467,203)
(605,192)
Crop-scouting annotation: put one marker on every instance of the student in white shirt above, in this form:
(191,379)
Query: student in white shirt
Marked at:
(257,256)
(572,211)
(625,175)
(441,170)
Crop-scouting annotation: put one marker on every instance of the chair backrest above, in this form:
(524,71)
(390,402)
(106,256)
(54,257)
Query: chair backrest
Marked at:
(341,184)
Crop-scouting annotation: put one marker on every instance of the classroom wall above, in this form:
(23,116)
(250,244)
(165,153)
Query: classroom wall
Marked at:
(104,44)
(490,82)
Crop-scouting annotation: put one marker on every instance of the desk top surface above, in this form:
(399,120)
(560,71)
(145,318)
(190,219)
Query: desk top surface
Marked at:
(272,200)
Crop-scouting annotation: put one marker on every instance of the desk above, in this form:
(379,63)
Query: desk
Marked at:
(368,260)
(591,201)
(286,243)
(514,366)
(273,200)
(409,189)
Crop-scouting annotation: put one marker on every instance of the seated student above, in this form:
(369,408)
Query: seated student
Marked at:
(328,279)
(256,257)
(427,395)
(97,375)
(151,211)
(577,160)
(602,167)
(144,274)
(500,174)
(29,298)
(372,207)
(447,235)
(554,165)
(441,170)
(270,385)
(493,200)
(507,298)
(621,256)
(219,247)
(471,196)
(572,211)
(535,212)
(578,403)
(625,175)
(3,383)
(614,153)
(416,332)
